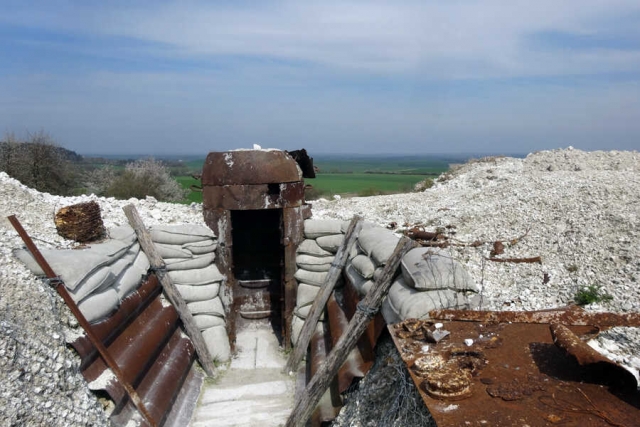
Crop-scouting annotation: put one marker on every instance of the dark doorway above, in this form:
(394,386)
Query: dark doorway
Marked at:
(258,259)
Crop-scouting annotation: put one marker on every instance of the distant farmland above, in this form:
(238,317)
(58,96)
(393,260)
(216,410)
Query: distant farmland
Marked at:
(356,175)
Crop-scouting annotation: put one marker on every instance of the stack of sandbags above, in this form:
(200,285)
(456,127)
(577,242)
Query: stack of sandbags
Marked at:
(431,279)
(99,276)
(314,257)
(189,251)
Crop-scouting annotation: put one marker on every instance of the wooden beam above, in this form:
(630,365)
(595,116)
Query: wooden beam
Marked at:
(170,290)
(367,308)
(58,284)
(320,301)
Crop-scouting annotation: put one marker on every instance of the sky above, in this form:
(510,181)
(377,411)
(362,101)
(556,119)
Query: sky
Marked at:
(368,77)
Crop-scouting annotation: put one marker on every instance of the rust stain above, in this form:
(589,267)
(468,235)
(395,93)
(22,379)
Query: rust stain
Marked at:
(500,374)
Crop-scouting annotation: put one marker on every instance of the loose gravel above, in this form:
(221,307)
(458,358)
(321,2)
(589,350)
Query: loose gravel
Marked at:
(577,210)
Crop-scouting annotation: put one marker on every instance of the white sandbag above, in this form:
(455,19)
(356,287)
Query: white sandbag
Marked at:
(212,306)
(200,248)
(314,228)
(217,343)
(142,262)
(389,312)
(331,243)
(124,233)
(310,277)
(195,263)
(355,278)
(99,305)
(314,263)
(364,266)
(306,294)
(433,268)
(296,328)
(180,234)
(206,321)
(311,247)
(411,303)
(128,281)
(303,312)
(172,251)
(378,243)
(75,265)
(378,273)
(199,293)
(200,276)
(101,279)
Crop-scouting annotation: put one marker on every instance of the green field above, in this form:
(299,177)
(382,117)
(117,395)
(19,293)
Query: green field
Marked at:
(355,175)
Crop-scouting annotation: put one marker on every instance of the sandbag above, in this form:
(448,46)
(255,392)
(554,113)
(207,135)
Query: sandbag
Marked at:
(311,247)
(314,263)
(142,262)
(205,321)
(303,312)
(411,303)
(200,276)
(310,277)
(389,312)
(314,228)
(128,281)
(99,305)
(378,243)
(364,266)
(433,268)
(125,233)
(199,293)
(180,234)
(202,247)
(172,251)
(212,306)
(296,328)
(361,284)
(195,263)
(101,279)
(217,343)
(75,265)
(306,294)
(330,243)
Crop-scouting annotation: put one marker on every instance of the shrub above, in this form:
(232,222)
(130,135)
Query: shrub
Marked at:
(423,185)
(39,163)
(146,177)
(590,294)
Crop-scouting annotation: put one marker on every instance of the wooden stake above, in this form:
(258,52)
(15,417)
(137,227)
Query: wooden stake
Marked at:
(367,308)
(170,291)
(58,284)
(322,297)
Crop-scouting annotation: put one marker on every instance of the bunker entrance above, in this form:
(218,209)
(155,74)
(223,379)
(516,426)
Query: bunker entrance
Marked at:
(258,259)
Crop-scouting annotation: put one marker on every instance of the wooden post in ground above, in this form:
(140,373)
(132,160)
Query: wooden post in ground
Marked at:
(322,297)
(170,290)
(367,308)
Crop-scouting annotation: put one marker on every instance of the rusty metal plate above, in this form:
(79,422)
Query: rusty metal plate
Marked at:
(572,315)
(508,375)
(249,167)
(252,197)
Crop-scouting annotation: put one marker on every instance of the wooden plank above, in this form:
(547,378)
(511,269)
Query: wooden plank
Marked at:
(171,292)
(97,343)
(367,308)
(322,297)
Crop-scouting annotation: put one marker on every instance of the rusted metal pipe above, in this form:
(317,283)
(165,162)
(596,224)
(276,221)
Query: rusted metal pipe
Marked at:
(62,291)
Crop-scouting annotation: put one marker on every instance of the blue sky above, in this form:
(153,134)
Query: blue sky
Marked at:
(456,76)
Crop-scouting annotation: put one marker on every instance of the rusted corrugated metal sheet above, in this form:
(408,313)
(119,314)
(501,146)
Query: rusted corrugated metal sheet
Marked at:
(249,167)
(155,356)
(500,374)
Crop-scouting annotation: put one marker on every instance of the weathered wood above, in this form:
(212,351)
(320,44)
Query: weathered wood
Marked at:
(58,284)
(367,308)
(322,297)
(170,290)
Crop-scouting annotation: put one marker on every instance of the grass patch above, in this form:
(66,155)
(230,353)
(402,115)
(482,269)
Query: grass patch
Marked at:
(591,294)
(187,182)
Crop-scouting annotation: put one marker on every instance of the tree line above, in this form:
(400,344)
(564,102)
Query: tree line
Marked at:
(39,163)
